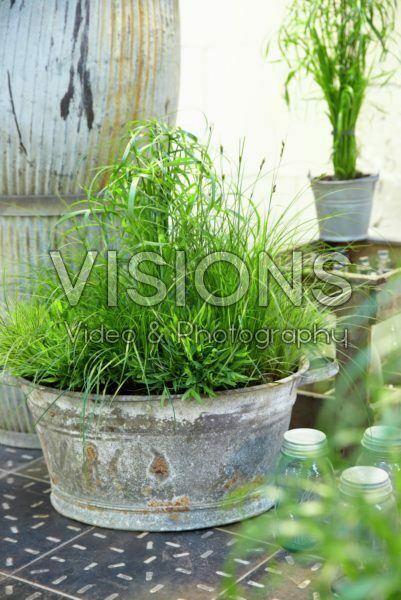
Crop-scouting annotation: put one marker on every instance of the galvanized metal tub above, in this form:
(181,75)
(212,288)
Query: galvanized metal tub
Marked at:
(73,73)
(27,233)
(84,69)
(344,208)
(144,466)
(16,424)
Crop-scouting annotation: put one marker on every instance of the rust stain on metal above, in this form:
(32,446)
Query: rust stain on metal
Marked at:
(90,469)
(139,74)
(114,464)
(118,96)
(91,453)
(156,41)
(89,507)
(159,467)
(181,504)
(147,71)
(259,480)
(232,482)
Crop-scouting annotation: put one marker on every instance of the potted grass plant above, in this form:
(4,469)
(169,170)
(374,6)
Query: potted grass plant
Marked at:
(342,45)
(160,393)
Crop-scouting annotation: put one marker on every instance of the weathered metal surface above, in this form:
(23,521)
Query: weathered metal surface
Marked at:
(173,467)
(27,233)
(25,238)
(16,423)
(73,73)
(344,208)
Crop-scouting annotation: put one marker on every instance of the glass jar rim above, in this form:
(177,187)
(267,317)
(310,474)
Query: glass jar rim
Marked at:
(304,443)
(372,483)
(382,438)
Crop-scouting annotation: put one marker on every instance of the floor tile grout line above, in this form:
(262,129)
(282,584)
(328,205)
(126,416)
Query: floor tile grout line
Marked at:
(26,464)
(31,463)
(247,537)
(28,477)
(255,568)
(23,466)
(263,562)
(39,586)
(45,554)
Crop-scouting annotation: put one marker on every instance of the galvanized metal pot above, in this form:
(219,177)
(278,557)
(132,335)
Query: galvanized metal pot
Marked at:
(344,208)
(27,233)
(16,424)
(144,466)
(73,73)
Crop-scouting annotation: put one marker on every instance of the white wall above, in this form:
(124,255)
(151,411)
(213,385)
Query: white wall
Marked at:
(226,78)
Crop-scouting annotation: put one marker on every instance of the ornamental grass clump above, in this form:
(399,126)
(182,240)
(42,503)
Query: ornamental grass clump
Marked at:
(152,306)
(343,46)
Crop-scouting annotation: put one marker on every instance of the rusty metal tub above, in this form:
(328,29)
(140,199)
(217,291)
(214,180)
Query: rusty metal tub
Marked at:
(144,466)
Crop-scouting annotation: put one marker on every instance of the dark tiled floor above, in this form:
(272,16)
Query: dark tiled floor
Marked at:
(35,470)
(14,458)
(281,577)
(44,556)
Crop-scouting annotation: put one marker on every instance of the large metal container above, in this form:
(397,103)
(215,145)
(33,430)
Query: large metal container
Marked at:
(16,424)
(27,233)
(144,466)
(344,207)
(73,74)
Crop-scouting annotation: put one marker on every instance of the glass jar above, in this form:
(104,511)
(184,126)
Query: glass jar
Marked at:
(364,266)
(384,262)
(303,459)
(372,485)
(381,447)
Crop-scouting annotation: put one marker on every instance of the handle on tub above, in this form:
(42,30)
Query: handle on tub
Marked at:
(329,369)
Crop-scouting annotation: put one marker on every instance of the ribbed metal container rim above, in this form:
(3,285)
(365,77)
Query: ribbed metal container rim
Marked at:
(365,178)
(304,367)
(39,206)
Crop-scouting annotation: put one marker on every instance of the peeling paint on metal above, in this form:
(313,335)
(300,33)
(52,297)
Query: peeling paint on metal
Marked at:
(84,69)
(68,96)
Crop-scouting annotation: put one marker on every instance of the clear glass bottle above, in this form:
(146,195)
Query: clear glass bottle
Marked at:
(364,266)
(372,485)
(383,261)
(303,459)
(381,447)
